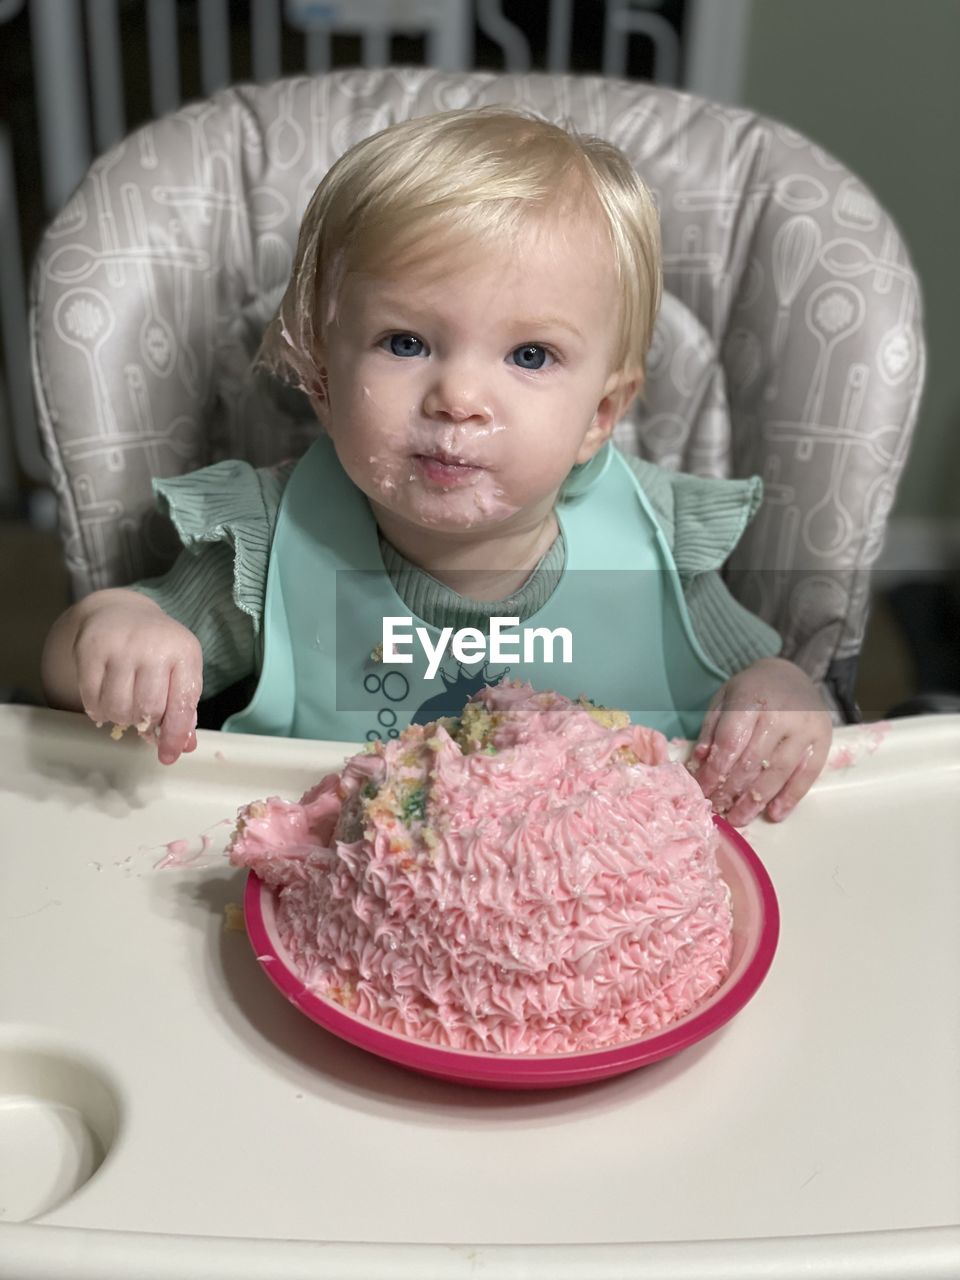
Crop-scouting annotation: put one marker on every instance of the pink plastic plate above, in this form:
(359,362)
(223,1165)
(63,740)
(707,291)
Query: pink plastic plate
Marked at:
(756,927)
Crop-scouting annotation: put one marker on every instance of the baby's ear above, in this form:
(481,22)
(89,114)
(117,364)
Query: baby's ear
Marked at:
(619,392)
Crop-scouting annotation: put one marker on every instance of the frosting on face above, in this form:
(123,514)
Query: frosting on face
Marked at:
(535,877)
(447,479)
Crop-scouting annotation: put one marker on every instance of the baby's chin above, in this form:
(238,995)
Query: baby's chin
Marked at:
(482,506)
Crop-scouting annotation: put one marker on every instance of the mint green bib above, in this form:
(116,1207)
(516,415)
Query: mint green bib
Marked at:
(619,596)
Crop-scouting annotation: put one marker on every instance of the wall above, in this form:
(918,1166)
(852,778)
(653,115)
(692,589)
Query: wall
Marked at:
(876,82)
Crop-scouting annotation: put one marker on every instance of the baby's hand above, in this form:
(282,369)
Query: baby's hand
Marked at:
(764,740)
(136,666)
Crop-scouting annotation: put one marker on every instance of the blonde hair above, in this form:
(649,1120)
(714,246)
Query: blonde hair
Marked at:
(438,181)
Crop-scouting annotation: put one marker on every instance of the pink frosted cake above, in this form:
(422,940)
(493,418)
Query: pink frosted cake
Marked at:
(534,877)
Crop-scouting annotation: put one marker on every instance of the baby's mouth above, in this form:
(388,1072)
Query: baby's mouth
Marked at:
(445,469)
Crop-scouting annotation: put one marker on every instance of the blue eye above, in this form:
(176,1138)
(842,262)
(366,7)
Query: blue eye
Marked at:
(406,344)
(530,356)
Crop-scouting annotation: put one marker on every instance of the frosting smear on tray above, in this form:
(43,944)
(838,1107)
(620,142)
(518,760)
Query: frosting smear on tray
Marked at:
(533,877)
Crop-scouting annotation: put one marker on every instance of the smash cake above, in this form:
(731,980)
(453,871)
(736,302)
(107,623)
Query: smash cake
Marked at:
(534,876)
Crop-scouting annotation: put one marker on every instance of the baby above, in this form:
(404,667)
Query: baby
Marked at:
(469,310)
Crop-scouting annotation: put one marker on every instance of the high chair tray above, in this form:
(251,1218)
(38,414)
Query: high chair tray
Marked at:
(165,1113)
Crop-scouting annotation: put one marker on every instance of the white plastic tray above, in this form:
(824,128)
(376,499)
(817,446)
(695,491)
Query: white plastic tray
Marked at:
(817,1135)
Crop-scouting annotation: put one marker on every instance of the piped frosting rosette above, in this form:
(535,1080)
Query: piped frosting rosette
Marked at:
(533,877)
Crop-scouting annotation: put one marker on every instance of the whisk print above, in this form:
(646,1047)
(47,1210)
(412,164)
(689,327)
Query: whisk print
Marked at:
(795,249)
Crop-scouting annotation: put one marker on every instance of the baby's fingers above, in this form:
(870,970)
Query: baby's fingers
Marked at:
(150,697)
(732,733)
(799,783)
(705,739)
(177,729)
(753,793)
(113,701)
(89,686)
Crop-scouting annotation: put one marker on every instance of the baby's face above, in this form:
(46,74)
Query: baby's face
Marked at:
(459,395)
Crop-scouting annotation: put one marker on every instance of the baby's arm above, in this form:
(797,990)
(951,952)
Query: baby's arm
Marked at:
(764,741)
(117,656)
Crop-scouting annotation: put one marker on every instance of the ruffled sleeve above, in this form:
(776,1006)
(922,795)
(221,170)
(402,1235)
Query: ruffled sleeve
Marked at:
(703,520)
(224,516)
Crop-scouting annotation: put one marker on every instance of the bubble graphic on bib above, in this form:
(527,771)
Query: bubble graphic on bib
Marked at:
(395,687)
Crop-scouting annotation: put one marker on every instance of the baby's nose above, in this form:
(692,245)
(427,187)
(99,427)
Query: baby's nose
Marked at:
(456,394)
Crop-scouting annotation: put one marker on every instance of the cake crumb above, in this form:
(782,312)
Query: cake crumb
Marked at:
(233,921)
(609,717)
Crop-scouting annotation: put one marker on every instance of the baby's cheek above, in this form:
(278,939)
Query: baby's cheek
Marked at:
(491,502)
(384,476)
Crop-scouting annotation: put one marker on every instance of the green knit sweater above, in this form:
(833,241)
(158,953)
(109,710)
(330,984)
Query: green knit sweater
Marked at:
(225,516)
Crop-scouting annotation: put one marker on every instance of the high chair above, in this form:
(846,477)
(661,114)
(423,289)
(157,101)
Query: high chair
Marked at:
(789,343)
